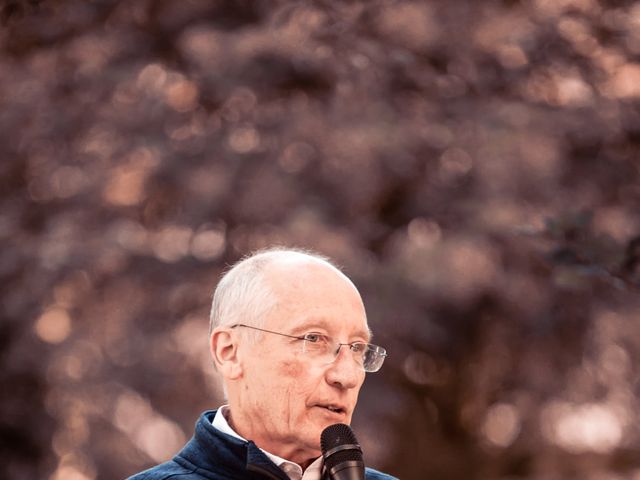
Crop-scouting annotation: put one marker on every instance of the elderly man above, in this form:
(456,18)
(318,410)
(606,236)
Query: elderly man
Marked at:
(289,336)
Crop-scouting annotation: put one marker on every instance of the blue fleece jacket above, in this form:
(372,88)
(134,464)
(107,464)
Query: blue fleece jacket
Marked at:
(213,455)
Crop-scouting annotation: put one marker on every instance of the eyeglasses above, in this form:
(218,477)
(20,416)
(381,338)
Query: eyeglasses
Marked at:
(324,349)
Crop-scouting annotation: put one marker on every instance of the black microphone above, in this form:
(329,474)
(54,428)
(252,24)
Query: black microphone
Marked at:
(342,453)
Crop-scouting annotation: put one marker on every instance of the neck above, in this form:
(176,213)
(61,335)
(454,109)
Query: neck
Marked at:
(293,453)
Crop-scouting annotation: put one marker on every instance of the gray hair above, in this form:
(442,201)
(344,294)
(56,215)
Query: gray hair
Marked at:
(243,295)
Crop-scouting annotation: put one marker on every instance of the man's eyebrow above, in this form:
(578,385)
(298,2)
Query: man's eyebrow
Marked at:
(324,323)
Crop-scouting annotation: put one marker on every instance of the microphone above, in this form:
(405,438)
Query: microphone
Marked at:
(342,453)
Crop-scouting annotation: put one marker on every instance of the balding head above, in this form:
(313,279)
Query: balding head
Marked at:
(245,294)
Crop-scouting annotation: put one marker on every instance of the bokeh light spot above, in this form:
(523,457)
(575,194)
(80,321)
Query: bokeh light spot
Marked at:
(244,140)
(423,232)
(154,434)
(208,244)
(152,77)
(182,96)
(172,243)
(625,83)
(501,425)
(53,326)
(582,427)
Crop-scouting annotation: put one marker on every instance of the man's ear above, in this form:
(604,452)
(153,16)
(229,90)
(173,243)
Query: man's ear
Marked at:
(223,346)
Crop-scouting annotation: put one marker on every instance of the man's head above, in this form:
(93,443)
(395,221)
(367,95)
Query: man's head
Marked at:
(281,395)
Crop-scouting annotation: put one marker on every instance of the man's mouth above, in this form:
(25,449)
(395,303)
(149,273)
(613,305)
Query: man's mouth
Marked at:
(333,408)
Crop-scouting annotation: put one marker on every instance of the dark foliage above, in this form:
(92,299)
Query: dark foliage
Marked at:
(472,165)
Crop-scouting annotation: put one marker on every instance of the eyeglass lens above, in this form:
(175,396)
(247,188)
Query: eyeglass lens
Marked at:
(370,357)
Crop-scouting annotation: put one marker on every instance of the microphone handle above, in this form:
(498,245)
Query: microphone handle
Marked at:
(349,470)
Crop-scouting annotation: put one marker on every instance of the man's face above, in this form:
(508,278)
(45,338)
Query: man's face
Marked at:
(288,397)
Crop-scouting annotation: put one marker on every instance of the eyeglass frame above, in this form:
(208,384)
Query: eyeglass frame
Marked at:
(376,348)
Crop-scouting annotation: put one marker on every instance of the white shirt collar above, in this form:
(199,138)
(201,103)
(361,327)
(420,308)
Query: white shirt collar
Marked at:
(293,470)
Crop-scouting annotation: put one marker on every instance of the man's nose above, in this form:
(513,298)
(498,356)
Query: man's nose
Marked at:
(344,371)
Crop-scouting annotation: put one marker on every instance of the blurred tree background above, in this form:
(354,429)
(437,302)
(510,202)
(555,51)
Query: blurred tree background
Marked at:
(473,166)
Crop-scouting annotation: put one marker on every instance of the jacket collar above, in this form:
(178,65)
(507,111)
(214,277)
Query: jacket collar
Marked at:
(217,452)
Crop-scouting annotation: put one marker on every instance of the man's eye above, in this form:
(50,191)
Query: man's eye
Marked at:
(359,347)
(313,337)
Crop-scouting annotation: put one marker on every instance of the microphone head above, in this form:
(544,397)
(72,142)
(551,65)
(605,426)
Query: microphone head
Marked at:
(335,436)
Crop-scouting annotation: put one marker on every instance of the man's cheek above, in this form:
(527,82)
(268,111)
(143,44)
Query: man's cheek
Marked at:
(291,368)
